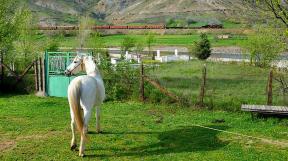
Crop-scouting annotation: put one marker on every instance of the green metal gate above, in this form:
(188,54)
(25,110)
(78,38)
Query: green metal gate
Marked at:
(55,65)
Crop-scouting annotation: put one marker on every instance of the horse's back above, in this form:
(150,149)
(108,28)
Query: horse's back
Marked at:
(91,90)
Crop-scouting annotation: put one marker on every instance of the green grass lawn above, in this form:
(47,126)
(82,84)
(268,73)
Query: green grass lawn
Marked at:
(228,85)
(34,128)
(160,40)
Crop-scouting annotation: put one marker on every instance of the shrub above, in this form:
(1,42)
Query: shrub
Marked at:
(202,48)
(121,81)
(127,44)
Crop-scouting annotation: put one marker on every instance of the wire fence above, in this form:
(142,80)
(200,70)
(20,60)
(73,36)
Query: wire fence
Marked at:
(227,86)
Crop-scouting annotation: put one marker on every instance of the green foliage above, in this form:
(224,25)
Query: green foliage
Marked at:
(150,40)
(191,21)
(202,48)
(139,47)
(121,81)
(127,44)
(171,22)
(71,19)
(98,43)
(53,46)
(10,18)
(278,8)
(27,46)
(85,24)
(17,39)
(265,46)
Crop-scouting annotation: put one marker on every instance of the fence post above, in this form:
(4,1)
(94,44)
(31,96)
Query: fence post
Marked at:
(142,97)
(202,88)
(36,76)
(270,88)
(43,76)
(39,75)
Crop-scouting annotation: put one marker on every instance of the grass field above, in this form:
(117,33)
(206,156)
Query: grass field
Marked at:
(229,85)
(34,128)
(160,40)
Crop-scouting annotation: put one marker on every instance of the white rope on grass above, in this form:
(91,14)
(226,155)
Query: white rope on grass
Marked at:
(268,141)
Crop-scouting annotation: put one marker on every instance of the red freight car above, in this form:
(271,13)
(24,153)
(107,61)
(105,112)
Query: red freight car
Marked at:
(136,27)
(118,27)
(100,27)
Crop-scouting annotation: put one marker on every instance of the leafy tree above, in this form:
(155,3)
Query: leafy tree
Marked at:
(85,24)
(171,22)
(202,48)
(15,32)
(53,45)
(27,46)
(9,21)
(127,44)
(150,40)
(139,47)
(279,8)
(265,46)
(98,43)
(100,47)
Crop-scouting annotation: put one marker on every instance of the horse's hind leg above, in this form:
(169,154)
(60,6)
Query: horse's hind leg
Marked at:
(98,128)
(87,114)
(73,141)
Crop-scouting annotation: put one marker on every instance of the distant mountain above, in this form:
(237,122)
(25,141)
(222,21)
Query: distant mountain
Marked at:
(138,11)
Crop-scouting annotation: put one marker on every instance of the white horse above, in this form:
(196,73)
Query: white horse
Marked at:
(84,92)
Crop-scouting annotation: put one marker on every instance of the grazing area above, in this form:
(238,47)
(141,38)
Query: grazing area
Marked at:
(228,86)
(33,128)
(160,40)
(176,80)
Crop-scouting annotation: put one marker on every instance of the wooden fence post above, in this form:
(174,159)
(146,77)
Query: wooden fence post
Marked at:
(40,75)
(43,76)
(270,88)
(142,97)
(36,76)
(202,88)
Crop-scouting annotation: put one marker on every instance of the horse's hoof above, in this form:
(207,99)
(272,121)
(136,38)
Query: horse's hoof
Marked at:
(73,147)
(81,155)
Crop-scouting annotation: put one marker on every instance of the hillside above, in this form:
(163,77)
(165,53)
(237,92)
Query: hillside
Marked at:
(138,11)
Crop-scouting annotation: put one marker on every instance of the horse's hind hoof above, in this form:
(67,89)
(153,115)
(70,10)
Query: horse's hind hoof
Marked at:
(73,147)
(81,155)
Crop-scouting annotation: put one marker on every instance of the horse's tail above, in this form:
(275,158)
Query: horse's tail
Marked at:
(74,97)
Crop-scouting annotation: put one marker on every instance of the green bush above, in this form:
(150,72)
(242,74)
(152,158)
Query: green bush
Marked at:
(202,48)
(121,81)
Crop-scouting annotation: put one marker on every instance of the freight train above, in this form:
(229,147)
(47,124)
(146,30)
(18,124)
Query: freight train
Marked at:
(213,26)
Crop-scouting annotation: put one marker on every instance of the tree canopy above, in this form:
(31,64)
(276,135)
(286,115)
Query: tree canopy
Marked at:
(279,8)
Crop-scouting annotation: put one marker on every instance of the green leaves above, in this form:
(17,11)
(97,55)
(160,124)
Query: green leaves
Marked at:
(202,48)
(265,46)
(127,44)
(8,23)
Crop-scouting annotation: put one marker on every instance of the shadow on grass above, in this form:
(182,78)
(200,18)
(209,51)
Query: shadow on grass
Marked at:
(187,139)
